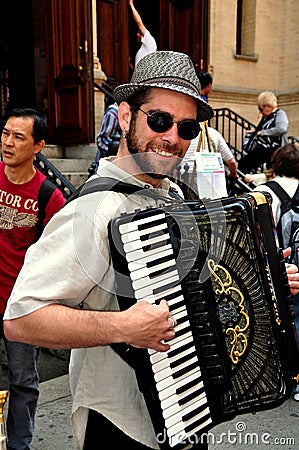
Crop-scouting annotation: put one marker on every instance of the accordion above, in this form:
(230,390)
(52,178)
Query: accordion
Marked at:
(235,348)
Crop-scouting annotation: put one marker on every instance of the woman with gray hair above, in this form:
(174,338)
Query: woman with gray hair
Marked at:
(270,134)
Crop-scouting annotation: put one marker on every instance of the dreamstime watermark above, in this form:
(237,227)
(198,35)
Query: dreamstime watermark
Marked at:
(239,436)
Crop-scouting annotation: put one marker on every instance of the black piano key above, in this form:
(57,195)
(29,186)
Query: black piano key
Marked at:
(191,396)
(155,245)
(146,237)
(160,289)
(157,273)
(191,414)
(179,350)
(185,370)
(157,261)
(182,360)
(151,224)
(198,421)
(187,386)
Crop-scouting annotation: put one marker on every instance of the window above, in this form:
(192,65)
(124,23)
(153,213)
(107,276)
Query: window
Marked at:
(246,19)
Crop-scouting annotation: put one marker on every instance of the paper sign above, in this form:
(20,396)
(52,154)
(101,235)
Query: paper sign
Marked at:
(211,182)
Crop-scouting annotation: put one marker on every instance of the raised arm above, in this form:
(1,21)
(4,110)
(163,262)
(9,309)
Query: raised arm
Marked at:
(137,18)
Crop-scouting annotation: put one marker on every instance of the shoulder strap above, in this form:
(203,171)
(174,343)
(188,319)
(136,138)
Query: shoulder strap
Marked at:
(111,184)
(296,195)
(278,190)
(128,353)
(45,192)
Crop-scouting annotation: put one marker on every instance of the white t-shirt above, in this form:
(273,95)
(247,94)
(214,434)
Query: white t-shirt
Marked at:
(288,184)
(148,45)
(218,145)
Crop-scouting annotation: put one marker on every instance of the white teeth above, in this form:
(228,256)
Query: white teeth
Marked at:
(162,152)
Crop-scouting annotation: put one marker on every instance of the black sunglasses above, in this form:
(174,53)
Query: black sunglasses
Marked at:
(160,122)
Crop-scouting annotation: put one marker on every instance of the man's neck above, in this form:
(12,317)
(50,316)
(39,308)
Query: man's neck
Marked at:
(19,175)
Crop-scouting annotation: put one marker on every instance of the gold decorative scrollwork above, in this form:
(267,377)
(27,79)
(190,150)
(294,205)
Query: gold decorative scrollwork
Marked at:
(239,339)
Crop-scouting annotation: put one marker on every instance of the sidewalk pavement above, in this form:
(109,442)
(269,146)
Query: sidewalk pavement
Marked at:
(274,429)
(53,418)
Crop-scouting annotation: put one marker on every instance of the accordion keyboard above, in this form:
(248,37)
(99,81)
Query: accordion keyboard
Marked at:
(177,373)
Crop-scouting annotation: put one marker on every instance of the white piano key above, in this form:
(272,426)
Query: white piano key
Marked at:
(175,407)
(177,338)
(171,381)
(178,310)
(154,283)
(179,314)
(171,390)
(168,371)
(148,271)
(171,342)
(181,326)
(174,424)
(144,291)
(158,356)
(136,235)
(147,257)
(174,301)
(151,298)
(182,436)
(130,246)
(166,362)
(134,224)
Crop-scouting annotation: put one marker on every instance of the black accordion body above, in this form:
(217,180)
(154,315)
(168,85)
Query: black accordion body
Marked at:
(235,348)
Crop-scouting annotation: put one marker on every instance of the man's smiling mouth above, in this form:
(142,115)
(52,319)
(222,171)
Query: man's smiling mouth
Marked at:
(161,152)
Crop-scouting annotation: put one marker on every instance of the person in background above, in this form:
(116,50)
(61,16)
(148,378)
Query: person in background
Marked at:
(23,136)
(148,43)
(108,136)
(218,144)
(209,140)
(285,166)
(206,82)
(270,134)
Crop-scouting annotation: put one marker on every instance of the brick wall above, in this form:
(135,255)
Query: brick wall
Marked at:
(274,66)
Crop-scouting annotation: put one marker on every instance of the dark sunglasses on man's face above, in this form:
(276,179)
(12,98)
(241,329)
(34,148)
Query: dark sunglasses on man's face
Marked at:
(160,122)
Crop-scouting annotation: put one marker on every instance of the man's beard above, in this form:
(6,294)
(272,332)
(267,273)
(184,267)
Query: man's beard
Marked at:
(146,161)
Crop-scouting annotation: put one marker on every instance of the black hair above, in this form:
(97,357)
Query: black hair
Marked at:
(205,78)
(40,125)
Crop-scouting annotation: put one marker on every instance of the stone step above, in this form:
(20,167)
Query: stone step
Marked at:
(71,165)
(70,152)
(73,161)
(76,178)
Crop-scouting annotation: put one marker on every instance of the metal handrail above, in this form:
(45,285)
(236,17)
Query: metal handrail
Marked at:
(54,175)
(233,128)
(107,91)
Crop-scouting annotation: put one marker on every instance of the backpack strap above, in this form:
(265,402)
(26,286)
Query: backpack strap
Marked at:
(278,190)
(128,353)
(287,202)
(111,184)
(44,194)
